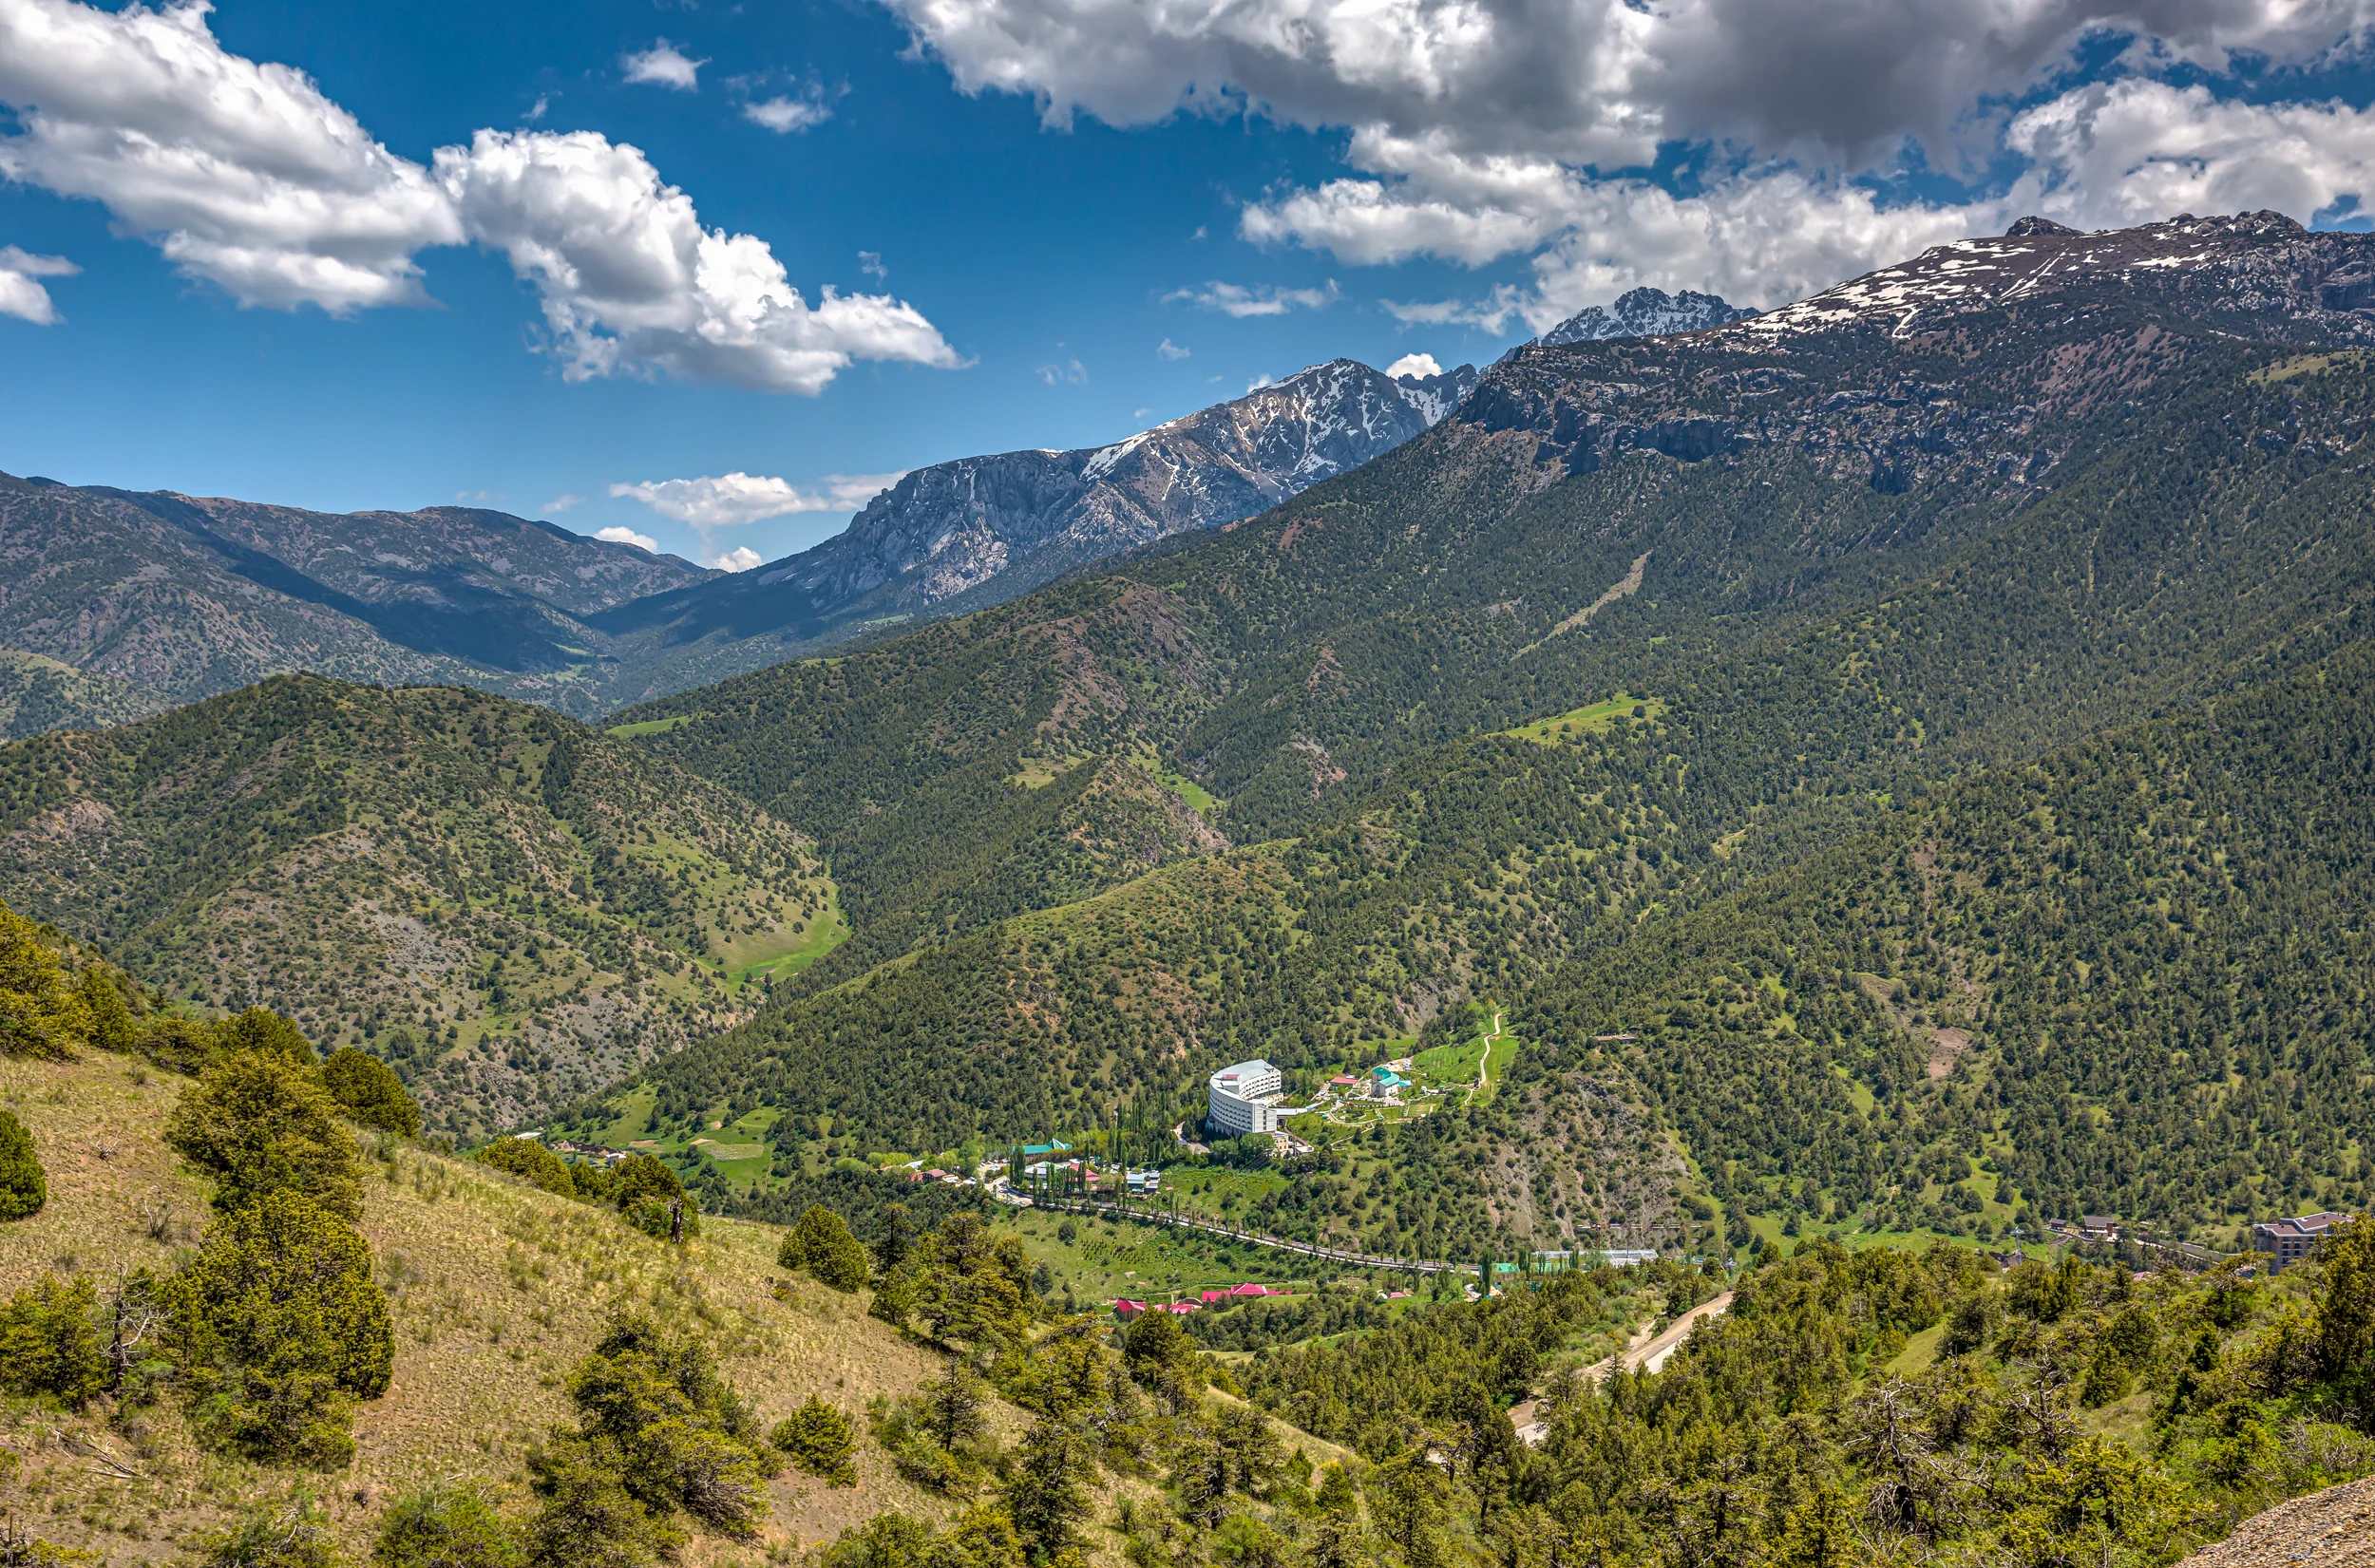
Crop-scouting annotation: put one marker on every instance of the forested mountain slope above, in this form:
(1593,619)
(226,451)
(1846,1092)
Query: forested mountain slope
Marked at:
(2126,977)
(38,694)
(1333,949)
(509,907)
(177,598)
(2136,970)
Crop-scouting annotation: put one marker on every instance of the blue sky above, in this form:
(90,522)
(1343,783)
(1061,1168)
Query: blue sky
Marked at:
(266,309)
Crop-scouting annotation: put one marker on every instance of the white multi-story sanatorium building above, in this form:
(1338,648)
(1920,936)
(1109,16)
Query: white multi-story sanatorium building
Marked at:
(1244,1099)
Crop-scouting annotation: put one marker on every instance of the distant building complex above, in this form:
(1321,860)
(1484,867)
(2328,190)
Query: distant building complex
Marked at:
(2289,1241)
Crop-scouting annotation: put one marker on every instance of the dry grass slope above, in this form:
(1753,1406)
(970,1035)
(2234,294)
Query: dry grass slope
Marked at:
(497,1289)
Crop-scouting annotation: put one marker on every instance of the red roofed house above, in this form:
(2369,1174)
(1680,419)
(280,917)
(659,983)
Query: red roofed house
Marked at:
(1253,1290)
(1127,1310)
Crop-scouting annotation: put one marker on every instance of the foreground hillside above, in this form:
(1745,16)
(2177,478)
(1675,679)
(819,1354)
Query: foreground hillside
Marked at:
(495,1288)
(510,908)
(247,1322)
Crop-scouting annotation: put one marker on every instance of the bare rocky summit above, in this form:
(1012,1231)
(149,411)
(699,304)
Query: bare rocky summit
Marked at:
(2261,273)
(1942,363)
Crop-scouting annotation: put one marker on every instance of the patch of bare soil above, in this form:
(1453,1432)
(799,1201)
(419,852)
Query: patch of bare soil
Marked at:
(1625,588)
(1323,769)
(2334,1528)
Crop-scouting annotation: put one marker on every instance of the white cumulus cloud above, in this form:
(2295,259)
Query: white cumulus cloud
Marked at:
(243,174)
(1418,366)
(617,535)
(740,559)
(246,175)
(631,277)
(1478,129)
(663,65)
(785,115)
(21,293)
(1261,299)
(728,500)
(1168,350)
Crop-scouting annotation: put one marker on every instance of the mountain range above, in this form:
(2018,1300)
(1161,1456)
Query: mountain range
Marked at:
(977,530)
(156,599)
(127,602)
(135,601)
(1823,796)
(1646,625)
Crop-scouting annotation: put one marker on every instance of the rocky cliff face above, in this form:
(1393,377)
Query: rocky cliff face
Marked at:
(988,528)
(1025,518)
(1907,374)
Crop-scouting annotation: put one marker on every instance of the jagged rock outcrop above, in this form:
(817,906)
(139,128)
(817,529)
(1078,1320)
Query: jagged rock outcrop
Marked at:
(988,528)
(2260,275)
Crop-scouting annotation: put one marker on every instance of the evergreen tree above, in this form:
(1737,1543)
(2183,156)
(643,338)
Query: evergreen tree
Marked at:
(1047,1493)
(2346,1316)
(819,1440)
(49,1341)
(259,1123)
(370,1092)
(953,1405)
(659,1432)
(293,1535)
(112,1027)
(266,1033)
(441,1525)
(589,1519)
(23,1187)
(653,1200)
(896,1237)
(821,1244)
(1406,1497)
(528,1158)
(279,1328)
(982,1537)
(40,1014)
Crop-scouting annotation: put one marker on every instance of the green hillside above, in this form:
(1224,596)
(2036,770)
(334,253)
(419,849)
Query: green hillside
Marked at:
(509,907)
(38,694)
(2128,978)
(2063,556)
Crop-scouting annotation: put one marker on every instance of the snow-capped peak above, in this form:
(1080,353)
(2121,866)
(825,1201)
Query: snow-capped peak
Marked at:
(1645,312)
